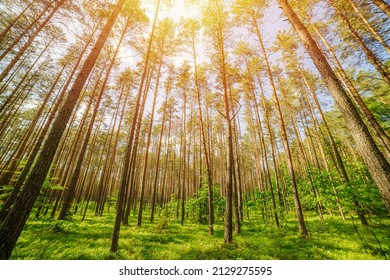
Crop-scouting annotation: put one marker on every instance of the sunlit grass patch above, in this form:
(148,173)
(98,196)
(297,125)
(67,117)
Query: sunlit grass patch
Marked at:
(330,238)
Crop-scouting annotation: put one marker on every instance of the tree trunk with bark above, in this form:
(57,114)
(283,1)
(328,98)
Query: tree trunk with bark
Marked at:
(372,156)
(383,6)
(14,222)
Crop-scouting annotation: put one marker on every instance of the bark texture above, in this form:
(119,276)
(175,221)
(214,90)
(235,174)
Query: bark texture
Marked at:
(377,164)
(14,222)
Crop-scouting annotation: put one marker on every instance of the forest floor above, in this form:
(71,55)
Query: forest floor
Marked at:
(332,238)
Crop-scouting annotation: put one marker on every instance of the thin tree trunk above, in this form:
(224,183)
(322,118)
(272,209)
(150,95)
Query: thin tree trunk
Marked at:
(12,23)
(129,146)
(383,6)
(290,167)
(381,136)
(16,58)
(372,156)
(204,142)
(145,168)
(370,55)
(168,88)
(374,33)
(21,35)
(17,217)
(183,160)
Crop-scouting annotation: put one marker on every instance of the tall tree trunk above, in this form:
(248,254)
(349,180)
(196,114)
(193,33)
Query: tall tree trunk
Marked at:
(382,70)
(168,89)
(290,167)
(12,23)
(372,156)
(17,217)
(145,167)
(204,142)
(374,33)
(70,192)
(383,6)
(380,135)
(129,146)
(183,159)
(228,228)
(282,200)
(29,41)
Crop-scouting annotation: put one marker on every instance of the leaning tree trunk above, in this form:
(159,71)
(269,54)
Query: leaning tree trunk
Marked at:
(290,166)
(13,224)
(382,70)
(29,41)
(383,6)
(374,33)
(380,135)
(129,146)
(13,22)
(70,192)
(372,156)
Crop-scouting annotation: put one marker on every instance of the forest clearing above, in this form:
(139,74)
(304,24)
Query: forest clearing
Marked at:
(219,129)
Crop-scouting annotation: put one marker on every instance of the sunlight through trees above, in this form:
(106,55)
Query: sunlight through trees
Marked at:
(213,112)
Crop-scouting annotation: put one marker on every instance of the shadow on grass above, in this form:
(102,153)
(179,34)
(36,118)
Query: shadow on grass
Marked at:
(91,239)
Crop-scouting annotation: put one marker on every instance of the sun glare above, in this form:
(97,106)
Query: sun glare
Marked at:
(180,9)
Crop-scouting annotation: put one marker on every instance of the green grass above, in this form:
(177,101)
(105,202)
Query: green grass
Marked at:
(167,239)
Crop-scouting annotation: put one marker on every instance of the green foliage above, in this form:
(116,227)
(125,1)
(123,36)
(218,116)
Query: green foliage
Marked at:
(321,181)
(162,224)
(111,199)
(171,206)
(380,110)
(198,205)
(91,239)
(5,191)
(257,202)
(63,226)
(48,184)
(361,188)
(375,93)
